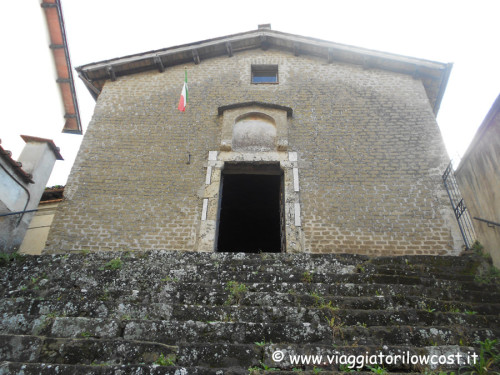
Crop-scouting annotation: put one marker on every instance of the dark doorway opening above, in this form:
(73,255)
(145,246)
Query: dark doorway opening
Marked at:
(251,214)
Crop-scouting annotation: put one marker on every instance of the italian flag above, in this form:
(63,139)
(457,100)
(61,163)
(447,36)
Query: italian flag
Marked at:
(184,94)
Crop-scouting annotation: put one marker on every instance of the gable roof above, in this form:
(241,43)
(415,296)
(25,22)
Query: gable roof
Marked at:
(434,75)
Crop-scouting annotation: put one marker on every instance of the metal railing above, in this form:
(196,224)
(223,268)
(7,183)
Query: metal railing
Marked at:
(17,213)
(490,223)
(457,203)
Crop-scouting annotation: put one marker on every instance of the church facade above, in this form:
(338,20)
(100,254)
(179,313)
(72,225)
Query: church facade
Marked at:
(287,144)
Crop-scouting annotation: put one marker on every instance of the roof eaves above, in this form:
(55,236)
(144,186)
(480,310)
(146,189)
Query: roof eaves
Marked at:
(95,74)
(487,122)
(16,166)
(60,52)
(50,143)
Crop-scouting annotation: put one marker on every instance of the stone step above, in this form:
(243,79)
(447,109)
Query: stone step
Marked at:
(83,350)
(32,284)
(87,351)
(51,289)
(449,274)
(333,333)
(159,262)
(16,368)
(128,271)
(93,353)
(114,304)
(106,306)
(19,368)
(220,268)
(431,260)
(162,257)
(349,317)
(258,293)
(331,329)
(114,325)
(48,325)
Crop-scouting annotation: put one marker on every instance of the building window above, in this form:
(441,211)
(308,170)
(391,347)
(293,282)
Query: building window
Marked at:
(264,73)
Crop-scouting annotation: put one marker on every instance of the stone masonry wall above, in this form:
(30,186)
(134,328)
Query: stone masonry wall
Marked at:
(478,178)
(370,157)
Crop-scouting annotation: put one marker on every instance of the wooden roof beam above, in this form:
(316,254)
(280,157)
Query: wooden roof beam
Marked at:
(159,63)
(111,73)
(331,55)
(296,49)
(264,42)
(196,56)
(229,49)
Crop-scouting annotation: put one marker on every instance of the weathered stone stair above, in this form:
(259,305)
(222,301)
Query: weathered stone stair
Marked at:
(167,312)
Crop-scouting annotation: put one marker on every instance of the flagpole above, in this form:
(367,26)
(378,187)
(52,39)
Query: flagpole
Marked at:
(184,94)
(186,83)
(189,132)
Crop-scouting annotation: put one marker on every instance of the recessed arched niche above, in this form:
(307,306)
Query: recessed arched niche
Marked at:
(253,132)
(254,127)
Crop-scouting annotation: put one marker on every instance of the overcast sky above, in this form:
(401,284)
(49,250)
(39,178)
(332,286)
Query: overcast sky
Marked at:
(462,32)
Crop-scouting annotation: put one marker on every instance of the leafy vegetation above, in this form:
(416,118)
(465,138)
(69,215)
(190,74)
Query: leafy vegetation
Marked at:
(113,264)
(491,275)
(236,292)
(377,369)
(307,277)
(346,368)
(263,343)
(263,366)
(488,360)
(165,361)
(477,247)
(6,258)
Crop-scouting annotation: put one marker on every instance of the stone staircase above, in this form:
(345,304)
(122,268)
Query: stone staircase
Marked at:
(167,312)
